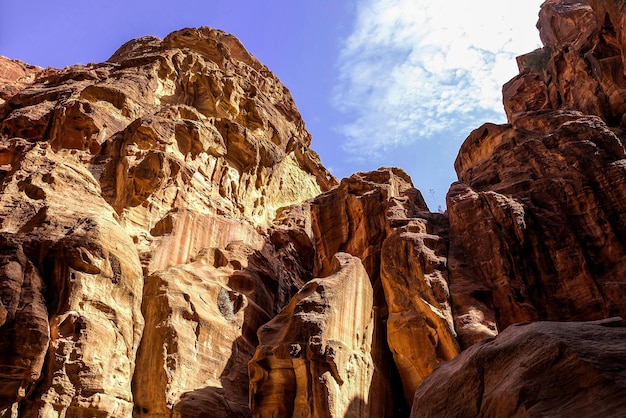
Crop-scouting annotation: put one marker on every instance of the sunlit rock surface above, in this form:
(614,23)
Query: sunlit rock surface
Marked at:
(14,76)
(81,288)
(174,173)
(381,218)
(171,246)
(314,358)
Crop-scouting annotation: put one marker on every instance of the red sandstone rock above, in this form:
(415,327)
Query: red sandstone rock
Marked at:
(23,323)
(537,225)
(580,66)
(533,370)
(14,76)
(175,183)
(536,222)
(380,218)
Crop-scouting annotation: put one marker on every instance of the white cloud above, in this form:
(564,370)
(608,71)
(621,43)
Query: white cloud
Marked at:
(414,69)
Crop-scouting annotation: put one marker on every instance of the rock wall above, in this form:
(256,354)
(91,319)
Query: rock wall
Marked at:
(166,183)
(73,288)
(314,358)
(537,219)
(171,246)
(536,233)
(382,219)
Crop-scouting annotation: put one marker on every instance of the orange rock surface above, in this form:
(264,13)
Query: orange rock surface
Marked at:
(156,185)
(314,358)
(171,245)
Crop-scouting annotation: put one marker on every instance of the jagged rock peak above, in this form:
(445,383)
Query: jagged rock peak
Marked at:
(580,66)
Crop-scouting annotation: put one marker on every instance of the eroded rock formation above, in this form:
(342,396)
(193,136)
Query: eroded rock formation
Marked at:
(533,370)
(14,76)
(536,233)
(171,246)
(314,358)
(80,272)
(156,185)
(537,216)
(382,219)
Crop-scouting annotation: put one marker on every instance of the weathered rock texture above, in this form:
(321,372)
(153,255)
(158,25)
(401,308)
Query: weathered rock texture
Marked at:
(156,185)
(162,219)
(80,273)
(580,66)
(537,218)
(382,219)
(314,358)
(543,369)
(14,76)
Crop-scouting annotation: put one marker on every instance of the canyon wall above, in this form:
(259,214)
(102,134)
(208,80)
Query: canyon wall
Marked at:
(170,245)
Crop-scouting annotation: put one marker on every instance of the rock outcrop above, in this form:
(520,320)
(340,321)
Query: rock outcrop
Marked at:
(171,246)
(382,219)
(15,75)
(533,370)
(314,358)
(159,185)
(537,218)
(80,273)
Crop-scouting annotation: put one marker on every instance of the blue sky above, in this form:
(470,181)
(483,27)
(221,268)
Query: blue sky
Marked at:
(378,82)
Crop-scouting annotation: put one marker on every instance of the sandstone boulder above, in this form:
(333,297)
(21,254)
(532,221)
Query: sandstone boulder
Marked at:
(539,369)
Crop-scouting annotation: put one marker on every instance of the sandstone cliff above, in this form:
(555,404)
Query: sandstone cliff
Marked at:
(170,246)
(537,232)
(146,227)
(537,215)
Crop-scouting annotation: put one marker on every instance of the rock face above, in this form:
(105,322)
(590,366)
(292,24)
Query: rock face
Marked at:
(580,66)
(170,246)
(314,358)
(80,273)
(14,76)
(380,218)
(534,370)
(156,185)
(537,219)
(23,322)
